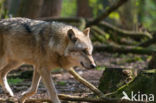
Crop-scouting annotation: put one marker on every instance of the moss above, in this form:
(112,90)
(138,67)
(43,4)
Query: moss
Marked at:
(113,79)
(14,81)
(144,83)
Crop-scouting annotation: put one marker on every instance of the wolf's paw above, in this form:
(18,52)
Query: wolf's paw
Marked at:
(20,100)
(9,94)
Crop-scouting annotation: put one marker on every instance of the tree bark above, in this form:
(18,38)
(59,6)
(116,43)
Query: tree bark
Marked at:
(30,8)
(128,17)
(83,9)
(51,8)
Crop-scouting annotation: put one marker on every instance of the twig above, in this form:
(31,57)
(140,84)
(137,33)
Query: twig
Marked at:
(107,12)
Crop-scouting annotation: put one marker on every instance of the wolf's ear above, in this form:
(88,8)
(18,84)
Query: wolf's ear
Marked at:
(71,35)
(86,31)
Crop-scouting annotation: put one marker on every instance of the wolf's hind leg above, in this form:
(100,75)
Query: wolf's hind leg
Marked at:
(33,89)
(3,77)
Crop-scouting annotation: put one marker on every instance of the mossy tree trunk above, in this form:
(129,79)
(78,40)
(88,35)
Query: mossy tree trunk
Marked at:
(112,84)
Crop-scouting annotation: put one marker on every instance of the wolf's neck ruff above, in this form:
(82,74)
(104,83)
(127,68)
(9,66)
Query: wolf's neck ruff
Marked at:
(59,61)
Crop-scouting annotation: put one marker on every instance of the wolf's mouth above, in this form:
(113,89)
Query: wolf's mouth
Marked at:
(84,65)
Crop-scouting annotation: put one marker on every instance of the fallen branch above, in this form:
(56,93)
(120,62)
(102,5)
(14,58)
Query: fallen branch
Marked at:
(71,98)
(98,30)
(123,33)
(107,12)
(148,42)
(124,50)
(85,82)
(98,35)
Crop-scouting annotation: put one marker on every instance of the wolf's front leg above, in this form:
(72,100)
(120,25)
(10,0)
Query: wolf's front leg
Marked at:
(49,84)
(33,89)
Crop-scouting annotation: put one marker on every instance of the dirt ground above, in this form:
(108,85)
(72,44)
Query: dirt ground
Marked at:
(66,84)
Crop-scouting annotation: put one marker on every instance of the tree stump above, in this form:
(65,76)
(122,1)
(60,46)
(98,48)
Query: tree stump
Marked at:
(112,82)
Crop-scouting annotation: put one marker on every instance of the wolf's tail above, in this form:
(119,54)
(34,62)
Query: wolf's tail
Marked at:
(1,45)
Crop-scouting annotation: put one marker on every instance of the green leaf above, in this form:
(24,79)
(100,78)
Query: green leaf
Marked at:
(114,15)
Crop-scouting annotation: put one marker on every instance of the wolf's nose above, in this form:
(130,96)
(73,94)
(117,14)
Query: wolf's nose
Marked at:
(93,66)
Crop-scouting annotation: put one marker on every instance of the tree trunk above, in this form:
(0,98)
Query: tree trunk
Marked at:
(30,8)
(51,8)
(13,7)
(128,15)
(83,9)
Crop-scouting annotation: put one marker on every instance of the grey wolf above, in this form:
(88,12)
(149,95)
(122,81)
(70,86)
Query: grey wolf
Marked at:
(44,45)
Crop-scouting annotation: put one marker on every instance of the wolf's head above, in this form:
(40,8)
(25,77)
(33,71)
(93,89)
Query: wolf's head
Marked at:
(80,48)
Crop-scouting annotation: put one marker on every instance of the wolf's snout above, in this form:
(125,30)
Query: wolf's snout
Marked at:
(93,66)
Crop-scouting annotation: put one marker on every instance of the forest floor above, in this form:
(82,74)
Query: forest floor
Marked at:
(66,84)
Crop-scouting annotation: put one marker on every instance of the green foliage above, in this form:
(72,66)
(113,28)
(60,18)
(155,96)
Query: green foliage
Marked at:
(68,8)
(146,9)
(13,81)
(107,36)
(100,68)
(93,4)
(114,15)
(137,58)
(3,11)
(61,83)
(56,70)
(96,6)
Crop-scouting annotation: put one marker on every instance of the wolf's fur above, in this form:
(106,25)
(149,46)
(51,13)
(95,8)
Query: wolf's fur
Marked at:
(1,46)
(45,45)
